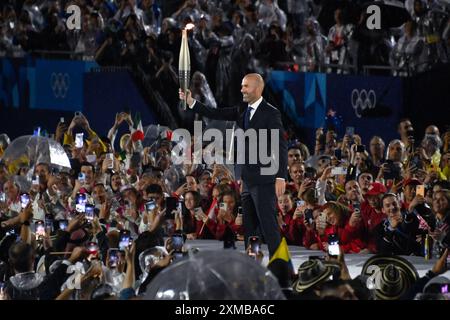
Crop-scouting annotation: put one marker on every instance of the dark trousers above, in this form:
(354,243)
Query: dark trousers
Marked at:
(259,209)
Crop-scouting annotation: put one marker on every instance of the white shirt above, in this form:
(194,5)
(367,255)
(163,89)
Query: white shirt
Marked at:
(255,106)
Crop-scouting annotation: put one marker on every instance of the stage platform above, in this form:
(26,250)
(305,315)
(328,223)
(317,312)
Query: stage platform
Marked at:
(354,262)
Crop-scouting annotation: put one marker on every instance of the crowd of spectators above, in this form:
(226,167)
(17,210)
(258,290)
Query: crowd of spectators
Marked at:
(232,37)
(391,198)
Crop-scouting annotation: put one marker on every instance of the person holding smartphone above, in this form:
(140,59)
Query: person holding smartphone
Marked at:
(193,221)
(286,212)
(229,215)
(347,225)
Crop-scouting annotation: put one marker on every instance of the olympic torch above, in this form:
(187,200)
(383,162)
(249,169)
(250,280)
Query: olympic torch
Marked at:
(184,64)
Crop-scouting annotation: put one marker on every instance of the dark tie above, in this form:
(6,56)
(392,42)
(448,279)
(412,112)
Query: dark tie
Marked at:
(247,117)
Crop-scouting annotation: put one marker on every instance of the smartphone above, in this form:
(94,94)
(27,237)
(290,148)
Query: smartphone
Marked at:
(310,173)
(336,171)
(35,181)
(24,200)
(180,206)
(333,246)
(63,224)
(197,212)
(350,131)
(113,254)
(309,217)
(110,156)
(2,197)
(79,140)
(255,245)
(177,242)
(239,210)
(80,202)
(223,206)
(300,203)
(124,240)
(171,204)
(150,205)
(91,158)
(81,177)
(357,206)
(61,119)
(49,223)
(77,113)
(360,148)
(89,212)
(338,154)
(39,229)
(420,190)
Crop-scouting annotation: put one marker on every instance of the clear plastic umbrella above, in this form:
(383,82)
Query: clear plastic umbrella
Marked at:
(215,275)
(152,133)
(174,177)
(31,150)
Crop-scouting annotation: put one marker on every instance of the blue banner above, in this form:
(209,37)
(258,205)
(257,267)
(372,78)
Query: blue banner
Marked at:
(373,105)
(59,84)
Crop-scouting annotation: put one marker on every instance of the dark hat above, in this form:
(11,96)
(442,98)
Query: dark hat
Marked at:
(390,276)
(312,273)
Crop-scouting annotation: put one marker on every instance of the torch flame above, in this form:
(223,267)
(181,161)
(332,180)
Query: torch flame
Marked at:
(190,26)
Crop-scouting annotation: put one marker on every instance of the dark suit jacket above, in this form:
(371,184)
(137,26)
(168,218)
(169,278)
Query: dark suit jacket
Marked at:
(267,117)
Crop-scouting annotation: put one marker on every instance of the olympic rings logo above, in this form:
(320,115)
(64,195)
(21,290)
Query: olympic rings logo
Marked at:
(362,100)
(60,83)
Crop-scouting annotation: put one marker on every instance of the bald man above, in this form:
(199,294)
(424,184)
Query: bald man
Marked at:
(260,191)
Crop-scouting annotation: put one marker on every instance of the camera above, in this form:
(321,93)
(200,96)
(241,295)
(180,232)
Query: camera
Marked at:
(2,197)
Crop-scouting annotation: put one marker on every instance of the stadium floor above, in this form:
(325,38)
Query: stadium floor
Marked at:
(354,262)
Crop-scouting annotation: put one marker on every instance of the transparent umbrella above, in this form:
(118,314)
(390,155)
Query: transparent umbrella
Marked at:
(152,133)
(174,177)
(31,150)
(215,275)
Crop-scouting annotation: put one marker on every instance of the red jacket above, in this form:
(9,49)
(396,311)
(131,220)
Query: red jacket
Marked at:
(296,231)
(220,229)
(311,237)
(287,220)
(371,219)
(350,238)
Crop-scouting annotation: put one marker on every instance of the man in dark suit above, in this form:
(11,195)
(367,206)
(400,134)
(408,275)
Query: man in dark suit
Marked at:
(259,191)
